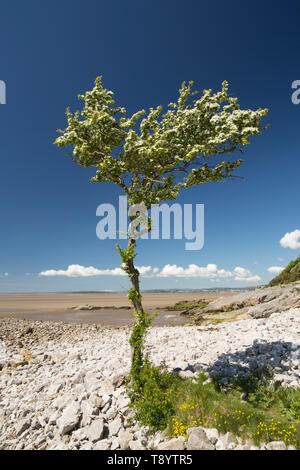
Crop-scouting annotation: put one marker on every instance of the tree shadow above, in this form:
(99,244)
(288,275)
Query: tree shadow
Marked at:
(256,363)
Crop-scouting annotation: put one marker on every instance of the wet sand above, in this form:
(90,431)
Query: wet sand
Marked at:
(56,307)
(103,317)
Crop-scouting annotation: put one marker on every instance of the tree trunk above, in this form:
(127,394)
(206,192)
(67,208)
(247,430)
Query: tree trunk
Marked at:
(142,319)
(136,340)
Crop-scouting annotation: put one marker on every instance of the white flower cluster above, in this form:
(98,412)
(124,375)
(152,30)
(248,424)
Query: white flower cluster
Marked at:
(170,151)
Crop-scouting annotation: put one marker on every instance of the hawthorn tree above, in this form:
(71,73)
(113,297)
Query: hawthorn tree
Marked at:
(168,152)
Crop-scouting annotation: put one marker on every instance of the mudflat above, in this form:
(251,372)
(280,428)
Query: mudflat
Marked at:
(57,306)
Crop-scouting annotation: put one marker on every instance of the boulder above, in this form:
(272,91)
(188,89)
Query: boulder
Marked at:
(69,418)
(114,426)
(106,388)
(87,410)
(136,445)
(63,400)
(186,374)
(124,437)
(212,434)
(26,331)
(227,439)
(173,444)
(54,388)
(198,440)
(95,430)
(91,383)
(104,444)
(111,413)
(276,445)
(118,380)
(22,426)
(80,434)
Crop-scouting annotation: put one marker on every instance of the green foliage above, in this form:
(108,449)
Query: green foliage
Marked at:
(290,274)
(153,396)
(169,151)
(185,305)
(126,254)
(265,416)
(287,400)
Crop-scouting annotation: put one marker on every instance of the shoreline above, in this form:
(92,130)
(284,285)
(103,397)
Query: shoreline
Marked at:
(114,309)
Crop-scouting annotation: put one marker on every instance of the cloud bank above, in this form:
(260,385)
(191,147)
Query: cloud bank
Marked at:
(210,271)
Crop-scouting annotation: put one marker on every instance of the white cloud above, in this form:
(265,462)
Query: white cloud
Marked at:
(146,271)
(244,275)
(291,240)
(210,271)
(75,270)
(223,273)
(275,269)
(5,274)
(193,270)
(241,272)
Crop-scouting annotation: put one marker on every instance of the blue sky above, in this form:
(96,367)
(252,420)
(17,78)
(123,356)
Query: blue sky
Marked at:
(51,51)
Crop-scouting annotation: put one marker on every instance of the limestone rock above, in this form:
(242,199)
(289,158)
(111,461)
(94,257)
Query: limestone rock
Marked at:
(95,430)
(114,426)
(227,439)
(173,444)
(136,445)
(69,418)
(276,445)
(104,444)
(106,388)
(22,426)
(124,438)
(212,434)
(198,440)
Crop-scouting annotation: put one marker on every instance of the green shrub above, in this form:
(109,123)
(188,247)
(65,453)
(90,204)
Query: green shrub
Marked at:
(153,396)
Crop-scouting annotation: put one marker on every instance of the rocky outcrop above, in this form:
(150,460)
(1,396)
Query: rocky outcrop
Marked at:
(260,303)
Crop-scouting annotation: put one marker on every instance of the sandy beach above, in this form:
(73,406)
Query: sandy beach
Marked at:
(57,306)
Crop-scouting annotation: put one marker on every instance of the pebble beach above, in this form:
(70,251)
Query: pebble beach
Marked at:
(62,385)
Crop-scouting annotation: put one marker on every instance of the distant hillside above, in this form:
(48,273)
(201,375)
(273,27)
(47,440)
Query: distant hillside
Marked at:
(290,274)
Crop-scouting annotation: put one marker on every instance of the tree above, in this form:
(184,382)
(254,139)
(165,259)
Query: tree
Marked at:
(170,152)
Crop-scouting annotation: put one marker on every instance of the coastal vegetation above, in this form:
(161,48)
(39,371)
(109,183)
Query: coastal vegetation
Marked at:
(290,274)
(186,307)
(255,410)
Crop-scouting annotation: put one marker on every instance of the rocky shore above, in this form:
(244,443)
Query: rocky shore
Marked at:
(260,303)
(62,385)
